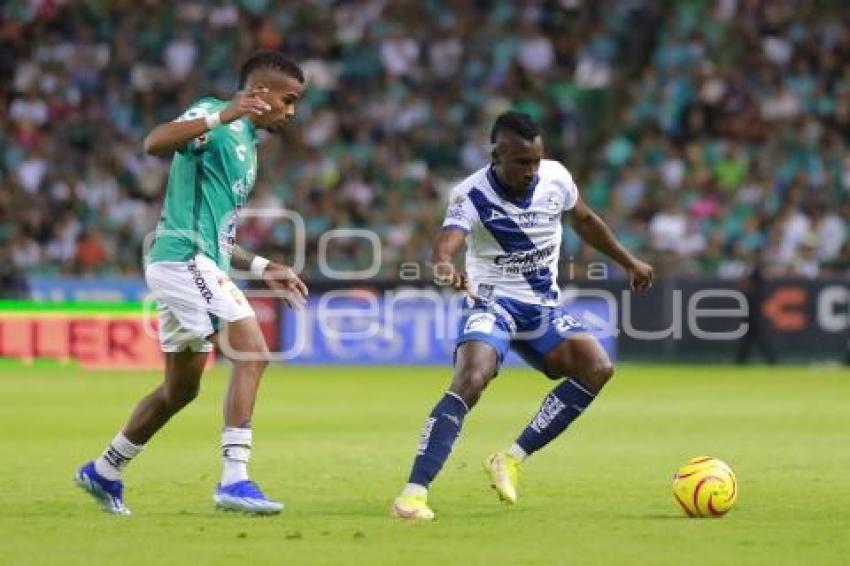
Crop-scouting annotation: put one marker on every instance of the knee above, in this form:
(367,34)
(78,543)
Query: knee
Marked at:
(178,397)
(254,368)
(596,374)
(469,383)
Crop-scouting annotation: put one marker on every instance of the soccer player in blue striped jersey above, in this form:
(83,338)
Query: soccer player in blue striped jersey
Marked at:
(509,216)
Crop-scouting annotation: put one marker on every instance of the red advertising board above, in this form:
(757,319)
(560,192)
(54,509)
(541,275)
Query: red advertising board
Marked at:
(93,340)
(98,335)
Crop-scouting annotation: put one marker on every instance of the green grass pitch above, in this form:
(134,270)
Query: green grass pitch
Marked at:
(335,445)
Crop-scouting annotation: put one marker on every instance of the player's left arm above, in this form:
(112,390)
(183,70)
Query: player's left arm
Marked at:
(593,230)
(277,276)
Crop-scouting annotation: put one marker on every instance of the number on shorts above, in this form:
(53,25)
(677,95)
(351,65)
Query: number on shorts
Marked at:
(565,322)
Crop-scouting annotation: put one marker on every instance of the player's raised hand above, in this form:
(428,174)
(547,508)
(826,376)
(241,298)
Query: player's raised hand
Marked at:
(641,275)
(288,286)
(248,101)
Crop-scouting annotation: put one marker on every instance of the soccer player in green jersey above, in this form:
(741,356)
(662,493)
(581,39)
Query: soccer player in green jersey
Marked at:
(213,169)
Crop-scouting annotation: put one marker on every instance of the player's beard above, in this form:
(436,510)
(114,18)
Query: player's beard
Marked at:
(276,127)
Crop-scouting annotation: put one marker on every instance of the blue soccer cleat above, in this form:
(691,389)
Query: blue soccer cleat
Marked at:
(245,496)
(109,494)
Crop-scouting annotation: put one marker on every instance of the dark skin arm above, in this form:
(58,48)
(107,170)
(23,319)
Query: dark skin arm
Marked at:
(595,232)
(447,244)
(277,276)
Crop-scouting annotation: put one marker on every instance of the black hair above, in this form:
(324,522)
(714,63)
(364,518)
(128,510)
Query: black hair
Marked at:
(268,59)
(519,123)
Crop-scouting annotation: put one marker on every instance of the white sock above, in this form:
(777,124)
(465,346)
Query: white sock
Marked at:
(414,489)
(236,452)
(517,452)
(115,458)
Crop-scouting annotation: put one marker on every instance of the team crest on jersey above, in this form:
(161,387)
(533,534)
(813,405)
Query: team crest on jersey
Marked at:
(236,125)
(553,203)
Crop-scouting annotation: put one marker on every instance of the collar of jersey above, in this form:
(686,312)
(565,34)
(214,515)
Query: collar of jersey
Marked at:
(522,202)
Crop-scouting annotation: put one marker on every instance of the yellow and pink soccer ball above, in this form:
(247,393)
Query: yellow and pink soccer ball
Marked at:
(705,487)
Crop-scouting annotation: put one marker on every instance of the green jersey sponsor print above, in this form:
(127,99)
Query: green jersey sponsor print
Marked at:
(209,181)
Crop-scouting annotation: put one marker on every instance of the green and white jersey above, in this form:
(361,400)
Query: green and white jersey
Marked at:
(208,184)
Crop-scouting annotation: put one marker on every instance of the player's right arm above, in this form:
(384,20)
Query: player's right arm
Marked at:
(169,137)
(460,217)
(447,244)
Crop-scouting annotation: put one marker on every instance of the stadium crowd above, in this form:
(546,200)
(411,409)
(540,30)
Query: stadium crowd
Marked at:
(708,134)
(733,146)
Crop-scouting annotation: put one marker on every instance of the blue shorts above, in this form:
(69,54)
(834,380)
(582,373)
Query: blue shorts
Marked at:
(531,330)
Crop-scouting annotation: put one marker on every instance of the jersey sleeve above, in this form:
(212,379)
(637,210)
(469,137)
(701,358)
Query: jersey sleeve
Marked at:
(200,109)
(571,195)
(460,214)
(568,187)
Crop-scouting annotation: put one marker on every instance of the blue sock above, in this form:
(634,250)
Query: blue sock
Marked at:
(438,436)
(560,407)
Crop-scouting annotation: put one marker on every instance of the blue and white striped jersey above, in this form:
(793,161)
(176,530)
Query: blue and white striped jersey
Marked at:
(512,246)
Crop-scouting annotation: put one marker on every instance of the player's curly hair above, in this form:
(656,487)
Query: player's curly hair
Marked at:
(519,123)
(269,59)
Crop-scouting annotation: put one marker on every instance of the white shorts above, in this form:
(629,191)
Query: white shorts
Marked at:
(192,296)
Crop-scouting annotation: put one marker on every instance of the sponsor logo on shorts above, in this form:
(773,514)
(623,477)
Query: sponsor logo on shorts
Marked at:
(200,282)
(480,322)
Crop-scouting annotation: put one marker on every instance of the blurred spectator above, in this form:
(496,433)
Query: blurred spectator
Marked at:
(180,55)
(668,227)
(830,232)
(13,283)
(25,251)
(753,287)
(90,253)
